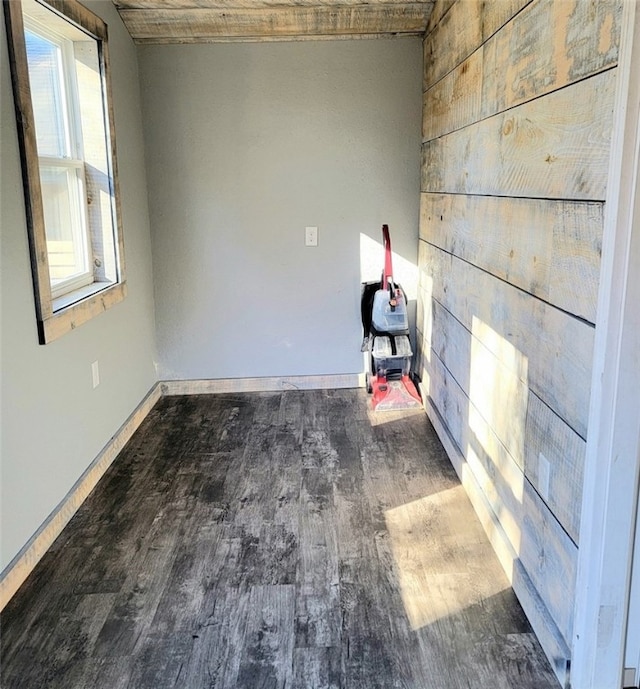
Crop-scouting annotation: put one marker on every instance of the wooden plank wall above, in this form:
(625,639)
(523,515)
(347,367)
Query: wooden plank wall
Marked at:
(517,118)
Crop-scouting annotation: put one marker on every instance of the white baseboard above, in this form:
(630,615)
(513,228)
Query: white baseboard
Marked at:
(271,384)
(30,554)
(541,621)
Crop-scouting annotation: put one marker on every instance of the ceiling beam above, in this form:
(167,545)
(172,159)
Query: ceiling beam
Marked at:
(206,24)
(256,4)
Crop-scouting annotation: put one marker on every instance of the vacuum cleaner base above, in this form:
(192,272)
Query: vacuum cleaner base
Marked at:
(394,395)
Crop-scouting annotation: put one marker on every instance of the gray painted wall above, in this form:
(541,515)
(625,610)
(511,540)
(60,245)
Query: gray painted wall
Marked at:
(245,146)
(53,422)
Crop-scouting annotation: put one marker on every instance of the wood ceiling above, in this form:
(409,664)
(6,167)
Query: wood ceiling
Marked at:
(206,21)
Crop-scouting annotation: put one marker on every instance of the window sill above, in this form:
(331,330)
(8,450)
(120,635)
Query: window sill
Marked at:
(77,307)
(77,295)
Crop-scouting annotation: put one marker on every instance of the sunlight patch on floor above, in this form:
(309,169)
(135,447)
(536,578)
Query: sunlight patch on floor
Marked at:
(438,557)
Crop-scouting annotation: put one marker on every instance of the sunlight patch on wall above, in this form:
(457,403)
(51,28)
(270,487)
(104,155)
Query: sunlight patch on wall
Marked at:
(498,393)
(372,263)
(424,317)
(506,516)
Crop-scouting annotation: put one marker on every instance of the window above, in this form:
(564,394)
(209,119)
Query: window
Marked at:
(59,60)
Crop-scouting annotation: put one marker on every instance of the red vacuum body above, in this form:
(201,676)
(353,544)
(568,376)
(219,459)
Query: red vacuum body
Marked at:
(386,338)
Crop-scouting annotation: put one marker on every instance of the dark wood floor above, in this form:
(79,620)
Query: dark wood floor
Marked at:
(267,541)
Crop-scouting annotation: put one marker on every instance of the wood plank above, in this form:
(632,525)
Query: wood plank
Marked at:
(215,655)
(548,555)
(267,384)
(440,8)
(565,451)
(550,45)
(529,429)
(310,21)
(29,159)
(523,61)
(460,32)
(555,347)
(316,667)
(550,249)
(550,559)
(455,100)
(296,38)
(255,4)
(72,317)
(267,656)
(453,39)
(79,14)
(552,147)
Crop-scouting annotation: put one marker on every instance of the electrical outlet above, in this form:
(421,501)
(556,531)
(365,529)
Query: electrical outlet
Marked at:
(311,236)
(544,471)
(95,374)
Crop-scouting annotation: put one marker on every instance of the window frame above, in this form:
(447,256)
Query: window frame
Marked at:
(59,315)
(75,158)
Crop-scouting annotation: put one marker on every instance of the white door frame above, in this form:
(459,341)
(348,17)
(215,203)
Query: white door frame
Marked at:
(612,465)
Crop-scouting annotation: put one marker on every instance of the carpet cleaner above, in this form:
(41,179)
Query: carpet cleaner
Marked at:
(386,338)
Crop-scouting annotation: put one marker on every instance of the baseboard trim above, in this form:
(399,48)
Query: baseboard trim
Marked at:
(541,621)
(30,554)
(268,384)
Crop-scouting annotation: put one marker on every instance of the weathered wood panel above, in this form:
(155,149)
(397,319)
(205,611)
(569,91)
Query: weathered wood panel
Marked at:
(263,384)
(550,249)
(440,8)
(550,559)
(29,159)
(455,100)
(509,322)
(552,147)
(517,129)
(205,24)
(254,4)
(546,552)
(551,45)
(548,435)
(530,427)
(460,32)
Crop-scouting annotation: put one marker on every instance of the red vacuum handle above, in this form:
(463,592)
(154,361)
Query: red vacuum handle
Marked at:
(388,268)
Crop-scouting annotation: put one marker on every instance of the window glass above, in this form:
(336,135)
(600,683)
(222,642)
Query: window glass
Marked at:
(47,94)
(63,205)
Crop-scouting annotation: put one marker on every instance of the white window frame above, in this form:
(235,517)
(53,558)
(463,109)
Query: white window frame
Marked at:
(75,158)
(61,309)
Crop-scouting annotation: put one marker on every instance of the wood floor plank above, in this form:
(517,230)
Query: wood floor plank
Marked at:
(274,540)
